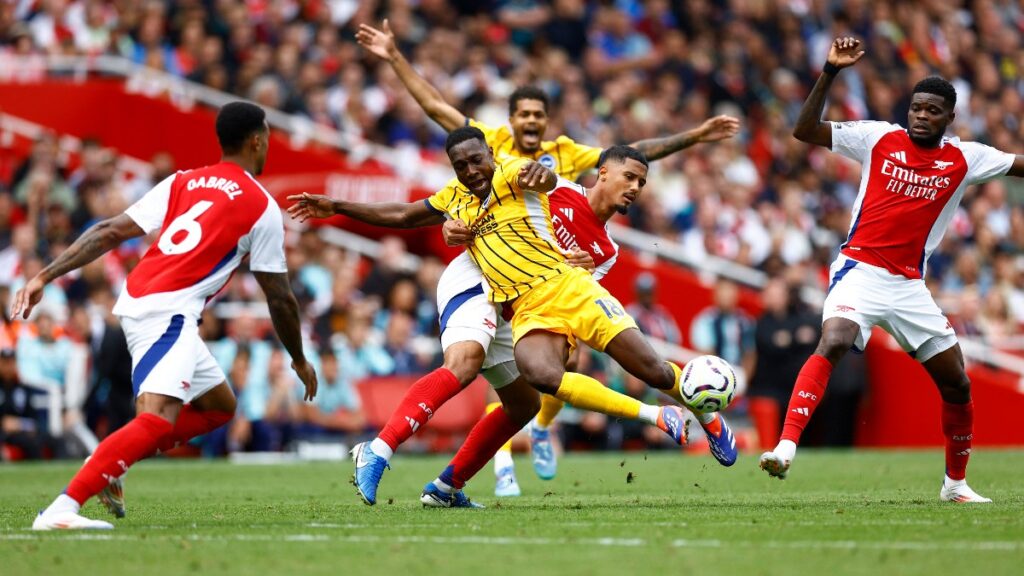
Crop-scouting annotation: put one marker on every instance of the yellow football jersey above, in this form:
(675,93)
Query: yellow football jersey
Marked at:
(513,244)
(563,156)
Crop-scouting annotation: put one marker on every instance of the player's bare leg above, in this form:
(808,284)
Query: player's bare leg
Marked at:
(947,371)
(838,335)
(636,355)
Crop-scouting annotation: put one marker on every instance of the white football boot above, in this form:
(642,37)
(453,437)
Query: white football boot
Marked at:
(776,463)
(68,520)
(959,491)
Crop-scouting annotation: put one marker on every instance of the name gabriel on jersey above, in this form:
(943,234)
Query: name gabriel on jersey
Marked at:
(229,187)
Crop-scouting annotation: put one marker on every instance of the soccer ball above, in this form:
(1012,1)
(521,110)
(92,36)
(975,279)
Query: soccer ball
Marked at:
(708,384)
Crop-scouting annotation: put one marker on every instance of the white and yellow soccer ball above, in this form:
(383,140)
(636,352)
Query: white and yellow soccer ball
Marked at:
(708,384)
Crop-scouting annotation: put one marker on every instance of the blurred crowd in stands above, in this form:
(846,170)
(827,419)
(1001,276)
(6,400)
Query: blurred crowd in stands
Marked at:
(616,71)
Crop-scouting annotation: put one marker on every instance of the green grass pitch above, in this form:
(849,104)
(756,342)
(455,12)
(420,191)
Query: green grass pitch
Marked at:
(838,513)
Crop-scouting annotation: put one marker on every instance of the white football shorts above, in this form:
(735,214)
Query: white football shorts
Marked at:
(169,357)
(470,316)
(872,296)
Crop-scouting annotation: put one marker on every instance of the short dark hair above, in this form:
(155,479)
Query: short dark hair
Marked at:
(236,122)
(526,93)
(462,134)
(938,86)
(619,153)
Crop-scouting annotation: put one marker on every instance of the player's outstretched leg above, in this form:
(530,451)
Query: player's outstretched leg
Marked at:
(540,356)
(505,484)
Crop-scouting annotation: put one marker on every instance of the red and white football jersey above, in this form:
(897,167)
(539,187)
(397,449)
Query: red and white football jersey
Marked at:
(577,227)
(209,220)
(908,194)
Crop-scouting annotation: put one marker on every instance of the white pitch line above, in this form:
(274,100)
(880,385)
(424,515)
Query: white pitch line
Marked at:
(920,545)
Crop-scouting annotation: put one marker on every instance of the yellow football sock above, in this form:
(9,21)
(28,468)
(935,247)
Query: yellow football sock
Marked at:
(549,408)
(588,394)
(507,446)
(674,391)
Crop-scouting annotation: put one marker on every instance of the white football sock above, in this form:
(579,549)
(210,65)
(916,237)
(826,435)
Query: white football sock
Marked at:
(502,460)
(443,487)
(381,448)
(786,450)
(63,503)
(948,482)
(649,414)
(707,418)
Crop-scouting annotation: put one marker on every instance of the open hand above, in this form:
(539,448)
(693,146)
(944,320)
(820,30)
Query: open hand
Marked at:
(719,128)
(844,52)
(310,206)
(380,43)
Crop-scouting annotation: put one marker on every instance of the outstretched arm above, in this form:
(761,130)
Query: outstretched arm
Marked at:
(284,313)
(809,127)
(382,43)
(712,130)
(95,242)
(386,214)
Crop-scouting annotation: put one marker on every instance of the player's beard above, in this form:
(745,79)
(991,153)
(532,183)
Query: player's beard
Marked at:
(931,142)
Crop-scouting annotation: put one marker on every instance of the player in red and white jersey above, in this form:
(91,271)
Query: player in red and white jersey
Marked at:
(912,181)
(208,219)
(578,227)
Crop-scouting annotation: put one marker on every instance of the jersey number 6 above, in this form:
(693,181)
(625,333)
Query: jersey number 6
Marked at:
(185,223)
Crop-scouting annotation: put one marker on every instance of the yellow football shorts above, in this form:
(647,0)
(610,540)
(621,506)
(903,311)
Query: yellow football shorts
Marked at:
(573,304)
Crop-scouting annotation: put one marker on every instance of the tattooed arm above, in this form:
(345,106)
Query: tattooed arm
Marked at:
(712,130)
(95,242)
